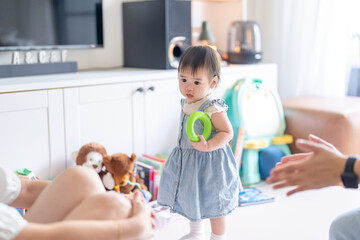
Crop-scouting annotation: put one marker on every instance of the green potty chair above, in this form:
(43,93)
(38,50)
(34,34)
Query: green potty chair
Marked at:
(256,112)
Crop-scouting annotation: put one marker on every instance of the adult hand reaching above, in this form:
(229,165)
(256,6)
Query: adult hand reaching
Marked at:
(319,167)
(142,217)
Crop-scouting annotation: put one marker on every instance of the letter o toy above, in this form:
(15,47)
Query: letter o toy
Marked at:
(190,126)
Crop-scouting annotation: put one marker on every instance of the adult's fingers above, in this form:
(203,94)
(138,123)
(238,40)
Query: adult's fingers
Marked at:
(316,139)
(307,146)
(289,182)
(286,168)
(138,197)
(153,219)
(295,190)
(277,177)
(281,185)
(137,193)
(153,223)
(285,176)
(285,172)
(295,157)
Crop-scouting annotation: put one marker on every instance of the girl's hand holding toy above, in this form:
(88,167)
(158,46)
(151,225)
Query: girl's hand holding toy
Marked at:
(202,145)
(198,141)
(190,125)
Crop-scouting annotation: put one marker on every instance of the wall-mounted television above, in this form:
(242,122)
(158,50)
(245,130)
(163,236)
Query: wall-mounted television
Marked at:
(50,24)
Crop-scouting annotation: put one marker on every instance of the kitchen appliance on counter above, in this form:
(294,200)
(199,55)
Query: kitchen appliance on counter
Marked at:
(244,43)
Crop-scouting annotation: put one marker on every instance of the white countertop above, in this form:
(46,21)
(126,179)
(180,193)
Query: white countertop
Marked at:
(105,76)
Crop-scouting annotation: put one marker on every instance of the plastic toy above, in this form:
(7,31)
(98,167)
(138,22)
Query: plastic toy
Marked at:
(147,195)
(24,172)
(190,126)
(268,158)
(134,184)
(257,113)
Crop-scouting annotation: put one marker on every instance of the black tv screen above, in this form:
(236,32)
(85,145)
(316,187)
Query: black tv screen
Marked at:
(50,24)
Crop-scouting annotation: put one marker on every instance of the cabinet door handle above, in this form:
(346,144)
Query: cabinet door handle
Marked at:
(152,88)
(140,90)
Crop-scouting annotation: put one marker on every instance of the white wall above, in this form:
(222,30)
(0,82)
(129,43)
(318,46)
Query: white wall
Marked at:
(263,13)
(220,15)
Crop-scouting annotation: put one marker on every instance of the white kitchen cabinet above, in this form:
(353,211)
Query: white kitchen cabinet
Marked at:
(162,116)
(101,113)
(139,117)
(32,131)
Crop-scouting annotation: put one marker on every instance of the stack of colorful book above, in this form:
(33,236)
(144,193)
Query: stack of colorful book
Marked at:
(149,169)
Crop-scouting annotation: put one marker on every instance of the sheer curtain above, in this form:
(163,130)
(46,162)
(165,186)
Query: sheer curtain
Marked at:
(309,39)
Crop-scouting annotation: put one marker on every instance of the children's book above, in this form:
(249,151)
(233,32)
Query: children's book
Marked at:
(162,156)
(157,165)
(252,196)
(155,158)
(146,173)
(156,184)
(157,173)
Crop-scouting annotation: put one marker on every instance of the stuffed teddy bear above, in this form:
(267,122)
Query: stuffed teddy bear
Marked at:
(122,168)
(91,155)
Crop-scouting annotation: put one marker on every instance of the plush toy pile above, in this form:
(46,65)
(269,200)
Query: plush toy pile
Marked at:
(117,172)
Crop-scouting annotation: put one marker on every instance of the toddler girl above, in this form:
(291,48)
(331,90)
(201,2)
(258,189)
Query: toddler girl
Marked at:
(200,179)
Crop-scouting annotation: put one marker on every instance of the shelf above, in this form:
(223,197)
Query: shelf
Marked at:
(107,76)
(217,1)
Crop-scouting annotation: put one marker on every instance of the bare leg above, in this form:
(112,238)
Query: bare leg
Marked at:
(66,192)
(138,226)
(103,206)
(218,225)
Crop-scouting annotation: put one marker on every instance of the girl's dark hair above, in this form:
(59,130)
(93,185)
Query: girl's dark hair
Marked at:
(201,57)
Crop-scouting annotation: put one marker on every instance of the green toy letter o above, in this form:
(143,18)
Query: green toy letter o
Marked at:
(190,126)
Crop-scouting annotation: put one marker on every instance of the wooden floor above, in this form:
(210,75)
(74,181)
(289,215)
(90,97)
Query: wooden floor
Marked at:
(303,216)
